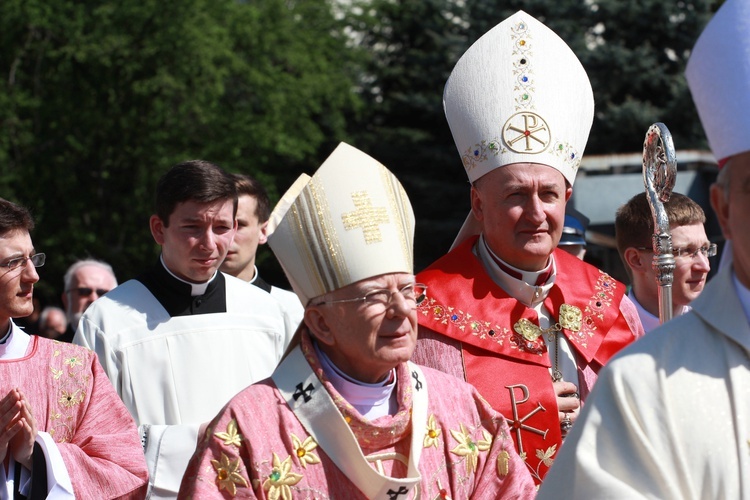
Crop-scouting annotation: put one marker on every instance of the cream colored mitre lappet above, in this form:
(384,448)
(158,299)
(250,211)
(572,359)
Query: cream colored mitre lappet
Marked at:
(350,221)
(718,74)
(518,95)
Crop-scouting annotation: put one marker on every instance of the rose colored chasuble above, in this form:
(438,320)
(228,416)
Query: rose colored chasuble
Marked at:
(502,352)
(257,447)
(73,401)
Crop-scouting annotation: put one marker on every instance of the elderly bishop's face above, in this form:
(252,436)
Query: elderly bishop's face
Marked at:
(367,338)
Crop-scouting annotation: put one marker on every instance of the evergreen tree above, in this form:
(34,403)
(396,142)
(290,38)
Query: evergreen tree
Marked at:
(98,99)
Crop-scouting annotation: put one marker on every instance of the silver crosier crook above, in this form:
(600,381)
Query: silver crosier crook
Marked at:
(659,175)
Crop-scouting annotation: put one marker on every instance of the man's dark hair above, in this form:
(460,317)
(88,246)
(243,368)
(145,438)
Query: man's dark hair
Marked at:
(195,180)
(14,217)
(249,185)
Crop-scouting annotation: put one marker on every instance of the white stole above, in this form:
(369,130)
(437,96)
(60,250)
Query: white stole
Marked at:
(316,411)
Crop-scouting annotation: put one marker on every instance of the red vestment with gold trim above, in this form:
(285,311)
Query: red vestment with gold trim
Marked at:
(511,371)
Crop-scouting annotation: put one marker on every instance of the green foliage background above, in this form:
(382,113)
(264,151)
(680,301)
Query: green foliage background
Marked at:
(99,98)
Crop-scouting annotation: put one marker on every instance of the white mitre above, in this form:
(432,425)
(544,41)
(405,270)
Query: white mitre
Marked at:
(350,221)
(518,95)
(718,74)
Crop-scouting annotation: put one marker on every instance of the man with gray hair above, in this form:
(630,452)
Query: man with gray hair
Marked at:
(52,323)
(85,281)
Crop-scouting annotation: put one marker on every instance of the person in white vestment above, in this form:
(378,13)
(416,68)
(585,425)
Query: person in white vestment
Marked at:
(670,415)
(634,228)
(182,338)
(253,211)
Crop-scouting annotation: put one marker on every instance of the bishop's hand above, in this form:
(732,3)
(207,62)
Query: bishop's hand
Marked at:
(568,404)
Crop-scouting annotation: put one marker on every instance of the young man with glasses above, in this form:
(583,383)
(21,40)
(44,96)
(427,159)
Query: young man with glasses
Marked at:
(346,415)
(64,433)
(85,281)
(634,227)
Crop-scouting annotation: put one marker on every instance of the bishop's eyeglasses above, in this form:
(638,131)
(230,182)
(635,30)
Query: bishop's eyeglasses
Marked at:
(413,293)
(37,260)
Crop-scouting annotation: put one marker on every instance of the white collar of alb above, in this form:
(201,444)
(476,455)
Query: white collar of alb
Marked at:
(196,288)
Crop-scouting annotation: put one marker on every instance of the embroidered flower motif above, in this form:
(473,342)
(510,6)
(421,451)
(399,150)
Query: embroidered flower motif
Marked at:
(431,437)
(546,456)
(470,449)
(231,437)
(503,459)
(227,475)
(280,479)
(56,374)
(69,399)
(304,449)
(73,362)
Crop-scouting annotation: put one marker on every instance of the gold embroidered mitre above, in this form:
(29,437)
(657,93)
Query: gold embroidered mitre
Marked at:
(350,221)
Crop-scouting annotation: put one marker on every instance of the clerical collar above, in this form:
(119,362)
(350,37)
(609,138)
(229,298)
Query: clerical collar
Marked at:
(536,278)
(15,343)
(178,297)
(196,288)
(370,400)
(255,275)
(7,334)
(260,282)
(520,289)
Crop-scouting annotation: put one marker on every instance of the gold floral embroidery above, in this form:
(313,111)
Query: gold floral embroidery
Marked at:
(470,449)
(227,475)
(70,375)
(231,437)
(280,479)
(303,450)
(431,437)
(546,456)
(69,399)
(503,459)
(73,362)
